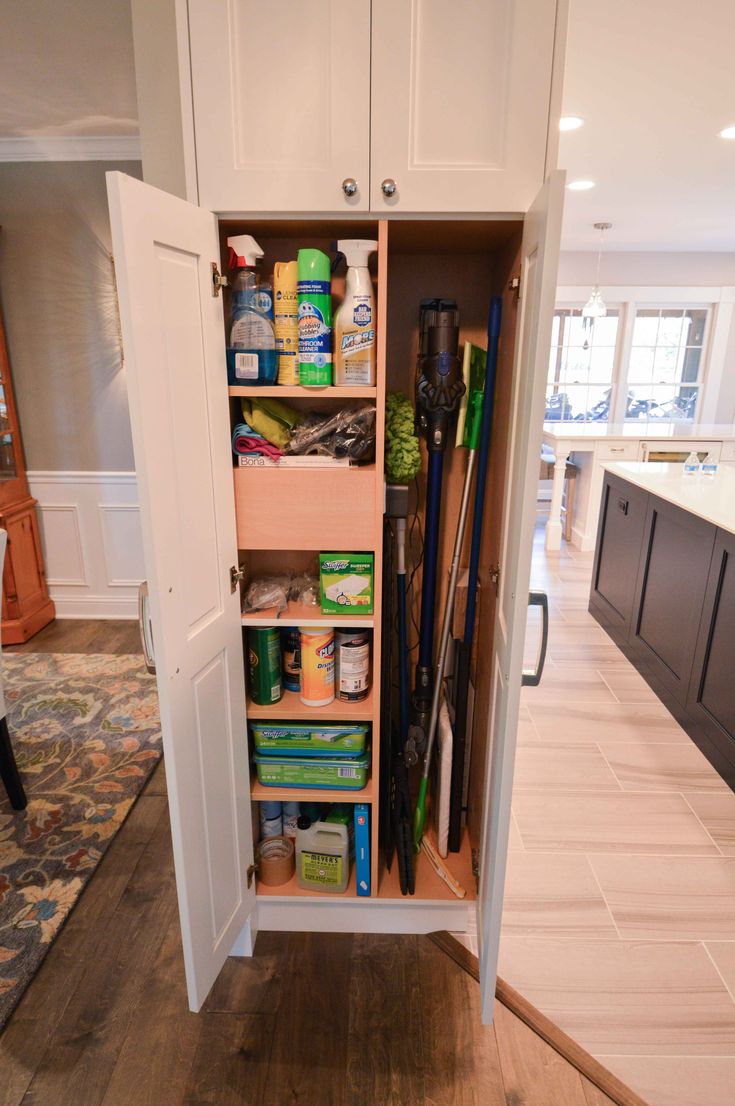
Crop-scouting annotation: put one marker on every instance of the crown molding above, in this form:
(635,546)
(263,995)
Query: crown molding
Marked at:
(113,147)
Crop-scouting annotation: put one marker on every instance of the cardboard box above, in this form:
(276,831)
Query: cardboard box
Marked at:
(346,583)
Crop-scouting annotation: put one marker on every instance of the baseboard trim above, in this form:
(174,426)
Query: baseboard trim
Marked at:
(542,1026)
(95,606)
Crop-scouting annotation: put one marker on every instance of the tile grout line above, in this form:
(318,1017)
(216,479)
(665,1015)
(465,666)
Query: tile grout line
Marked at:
(597,746)
(604,897)
(719,850)
(714,965)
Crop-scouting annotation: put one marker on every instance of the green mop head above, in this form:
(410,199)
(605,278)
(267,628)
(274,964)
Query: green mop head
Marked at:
(402,454)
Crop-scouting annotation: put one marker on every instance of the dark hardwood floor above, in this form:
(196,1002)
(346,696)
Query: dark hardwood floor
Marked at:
(310,1020)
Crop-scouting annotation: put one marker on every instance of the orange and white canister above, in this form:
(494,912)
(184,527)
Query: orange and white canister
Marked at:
(317,666)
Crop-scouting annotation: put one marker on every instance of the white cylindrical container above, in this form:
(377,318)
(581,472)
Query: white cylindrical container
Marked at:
(271,819)
(317,666)
(352,656)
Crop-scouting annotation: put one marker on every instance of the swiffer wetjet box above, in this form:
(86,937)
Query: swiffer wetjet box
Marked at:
(346,582)
(362,848)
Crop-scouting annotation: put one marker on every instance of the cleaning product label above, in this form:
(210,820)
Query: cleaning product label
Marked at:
(317,667)
(246,366)
(286,308)
(258,299)
(315,333)
(321,869)
(346,581)
(291,649)
(264,657)
(362,313)
(352,650)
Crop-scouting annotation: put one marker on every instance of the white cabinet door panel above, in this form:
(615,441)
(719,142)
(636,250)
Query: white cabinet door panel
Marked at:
(539,263)
(281,103)
(173,339)
(460,103)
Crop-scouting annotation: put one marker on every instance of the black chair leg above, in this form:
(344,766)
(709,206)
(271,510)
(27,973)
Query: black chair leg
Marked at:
(9,770)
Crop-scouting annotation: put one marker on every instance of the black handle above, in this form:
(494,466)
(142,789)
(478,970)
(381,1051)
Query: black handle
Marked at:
(532,678)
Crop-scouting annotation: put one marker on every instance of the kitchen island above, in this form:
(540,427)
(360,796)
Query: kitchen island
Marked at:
(663,586)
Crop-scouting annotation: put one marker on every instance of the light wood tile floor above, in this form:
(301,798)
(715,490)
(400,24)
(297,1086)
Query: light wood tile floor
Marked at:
(619,917)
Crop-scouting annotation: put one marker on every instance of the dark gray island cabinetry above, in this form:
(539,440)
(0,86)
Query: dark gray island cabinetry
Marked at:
(663,586)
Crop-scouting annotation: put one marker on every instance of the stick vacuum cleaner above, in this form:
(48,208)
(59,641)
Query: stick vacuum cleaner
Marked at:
(439,388)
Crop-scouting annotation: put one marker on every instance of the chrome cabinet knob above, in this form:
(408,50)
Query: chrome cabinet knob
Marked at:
(349,186)
(388,187)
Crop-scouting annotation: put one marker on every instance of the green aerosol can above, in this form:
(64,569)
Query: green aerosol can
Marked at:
(264,665)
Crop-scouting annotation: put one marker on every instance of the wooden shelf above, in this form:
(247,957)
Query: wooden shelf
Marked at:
(428,884)
(298,391)
(299,614)
(291,708)
(260,794)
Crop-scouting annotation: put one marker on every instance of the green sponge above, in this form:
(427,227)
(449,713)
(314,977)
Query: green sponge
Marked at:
(402,454)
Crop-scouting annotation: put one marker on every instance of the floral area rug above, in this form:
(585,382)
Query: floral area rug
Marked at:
(86,735)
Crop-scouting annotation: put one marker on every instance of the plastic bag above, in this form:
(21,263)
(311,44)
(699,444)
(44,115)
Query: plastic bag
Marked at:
(305,589)
(349,433)
(265,592)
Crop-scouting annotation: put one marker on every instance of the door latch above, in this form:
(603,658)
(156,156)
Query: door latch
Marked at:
(237,575)
(514,285)
(495,576)
(218,281)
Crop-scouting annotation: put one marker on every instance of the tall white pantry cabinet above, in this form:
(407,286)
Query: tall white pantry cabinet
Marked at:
(431,128)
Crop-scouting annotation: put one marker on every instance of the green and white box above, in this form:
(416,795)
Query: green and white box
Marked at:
(346,583)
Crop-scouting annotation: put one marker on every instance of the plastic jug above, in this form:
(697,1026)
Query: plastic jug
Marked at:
(322,856)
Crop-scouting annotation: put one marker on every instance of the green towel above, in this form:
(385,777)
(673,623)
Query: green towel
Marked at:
(271,418)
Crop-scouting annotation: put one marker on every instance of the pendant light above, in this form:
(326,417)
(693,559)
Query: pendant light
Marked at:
(595,307)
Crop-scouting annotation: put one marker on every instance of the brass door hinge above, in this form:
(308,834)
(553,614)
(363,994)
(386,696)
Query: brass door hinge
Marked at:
(252,869)
(515,285)
(237,575)
(495,577)
(218,281)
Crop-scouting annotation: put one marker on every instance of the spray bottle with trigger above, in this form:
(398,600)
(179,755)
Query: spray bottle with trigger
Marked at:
(251,355)
(439,388)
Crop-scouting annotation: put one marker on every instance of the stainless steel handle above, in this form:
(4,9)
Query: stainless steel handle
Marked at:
(388,187)
(144,626)
(532,676)
(349,186)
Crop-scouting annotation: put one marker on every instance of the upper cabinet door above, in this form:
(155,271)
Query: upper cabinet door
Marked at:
(539,264)
(173,339)
(281,104)
(460,103)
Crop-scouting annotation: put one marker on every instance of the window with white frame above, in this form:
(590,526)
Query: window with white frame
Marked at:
(581,366)
(665,364)
(644,360)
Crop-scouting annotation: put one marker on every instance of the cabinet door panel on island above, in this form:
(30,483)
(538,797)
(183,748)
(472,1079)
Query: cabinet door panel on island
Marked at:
(712,688)
(677,551)
(619,537)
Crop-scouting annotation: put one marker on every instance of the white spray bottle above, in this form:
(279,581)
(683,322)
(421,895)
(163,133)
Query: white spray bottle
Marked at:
(354,323)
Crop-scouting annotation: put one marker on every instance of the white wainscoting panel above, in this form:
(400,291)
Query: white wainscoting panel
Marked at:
(90,530)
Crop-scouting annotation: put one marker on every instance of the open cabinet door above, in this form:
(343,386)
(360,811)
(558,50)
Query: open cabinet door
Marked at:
(539,263)
(173,340)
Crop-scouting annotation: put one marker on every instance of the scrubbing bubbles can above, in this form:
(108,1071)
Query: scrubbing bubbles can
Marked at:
(315,319)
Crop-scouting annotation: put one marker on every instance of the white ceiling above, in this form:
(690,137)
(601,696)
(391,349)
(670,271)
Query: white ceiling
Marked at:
(654,81)
(66,68)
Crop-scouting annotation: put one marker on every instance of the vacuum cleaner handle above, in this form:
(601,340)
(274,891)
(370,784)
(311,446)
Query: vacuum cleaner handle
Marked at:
(532,677)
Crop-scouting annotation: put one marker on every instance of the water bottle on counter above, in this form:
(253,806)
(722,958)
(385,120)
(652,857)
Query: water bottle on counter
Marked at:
(691,465)
(709,465)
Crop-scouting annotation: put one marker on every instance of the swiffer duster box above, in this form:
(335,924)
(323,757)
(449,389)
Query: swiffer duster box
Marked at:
(346,583)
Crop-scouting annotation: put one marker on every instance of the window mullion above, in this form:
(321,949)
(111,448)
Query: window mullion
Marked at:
(622,361)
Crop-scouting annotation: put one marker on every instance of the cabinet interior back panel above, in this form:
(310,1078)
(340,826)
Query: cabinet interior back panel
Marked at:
(279,66)
(460,63)
(187,397)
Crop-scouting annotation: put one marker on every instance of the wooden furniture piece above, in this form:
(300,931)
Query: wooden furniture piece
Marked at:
(593,445)
(663,586)
(9,773)
(546,472)
(492,225)
(26,606)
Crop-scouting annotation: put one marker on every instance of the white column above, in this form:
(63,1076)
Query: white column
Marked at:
(553,526)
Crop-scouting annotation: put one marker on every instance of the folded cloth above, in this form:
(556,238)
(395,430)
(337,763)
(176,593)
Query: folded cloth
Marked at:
(247,440)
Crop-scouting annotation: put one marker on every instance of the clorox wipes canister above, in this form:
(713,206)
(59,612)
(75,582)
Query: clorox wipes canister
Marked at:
(317,666)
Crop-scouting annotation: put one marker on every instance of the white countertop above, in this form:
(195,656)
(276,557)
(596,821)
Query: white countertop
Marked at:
(709,497)
(654,430)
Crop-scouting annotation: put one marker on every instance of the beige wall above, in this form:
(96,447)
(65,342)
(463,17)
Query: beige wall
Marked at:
(58,300)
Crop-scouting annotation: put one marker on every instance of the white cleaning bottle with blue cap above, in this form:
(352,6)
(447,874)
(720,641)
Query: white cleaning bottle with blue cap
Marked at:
(251,356)
(354,323)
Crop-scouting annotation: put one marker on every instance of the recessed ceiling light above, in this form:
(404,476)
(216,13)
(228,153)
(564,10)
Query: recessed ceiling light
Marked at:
(570,123)
(729,132)
(580,185)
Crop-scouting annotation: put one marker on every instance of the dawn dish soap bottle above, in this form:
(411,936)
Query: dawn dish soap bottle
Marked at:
(354,324)
(251,355)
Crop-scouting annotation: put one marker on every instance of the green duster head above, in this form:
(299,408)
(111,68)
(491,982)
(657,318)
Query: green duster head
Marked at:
(402,454)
